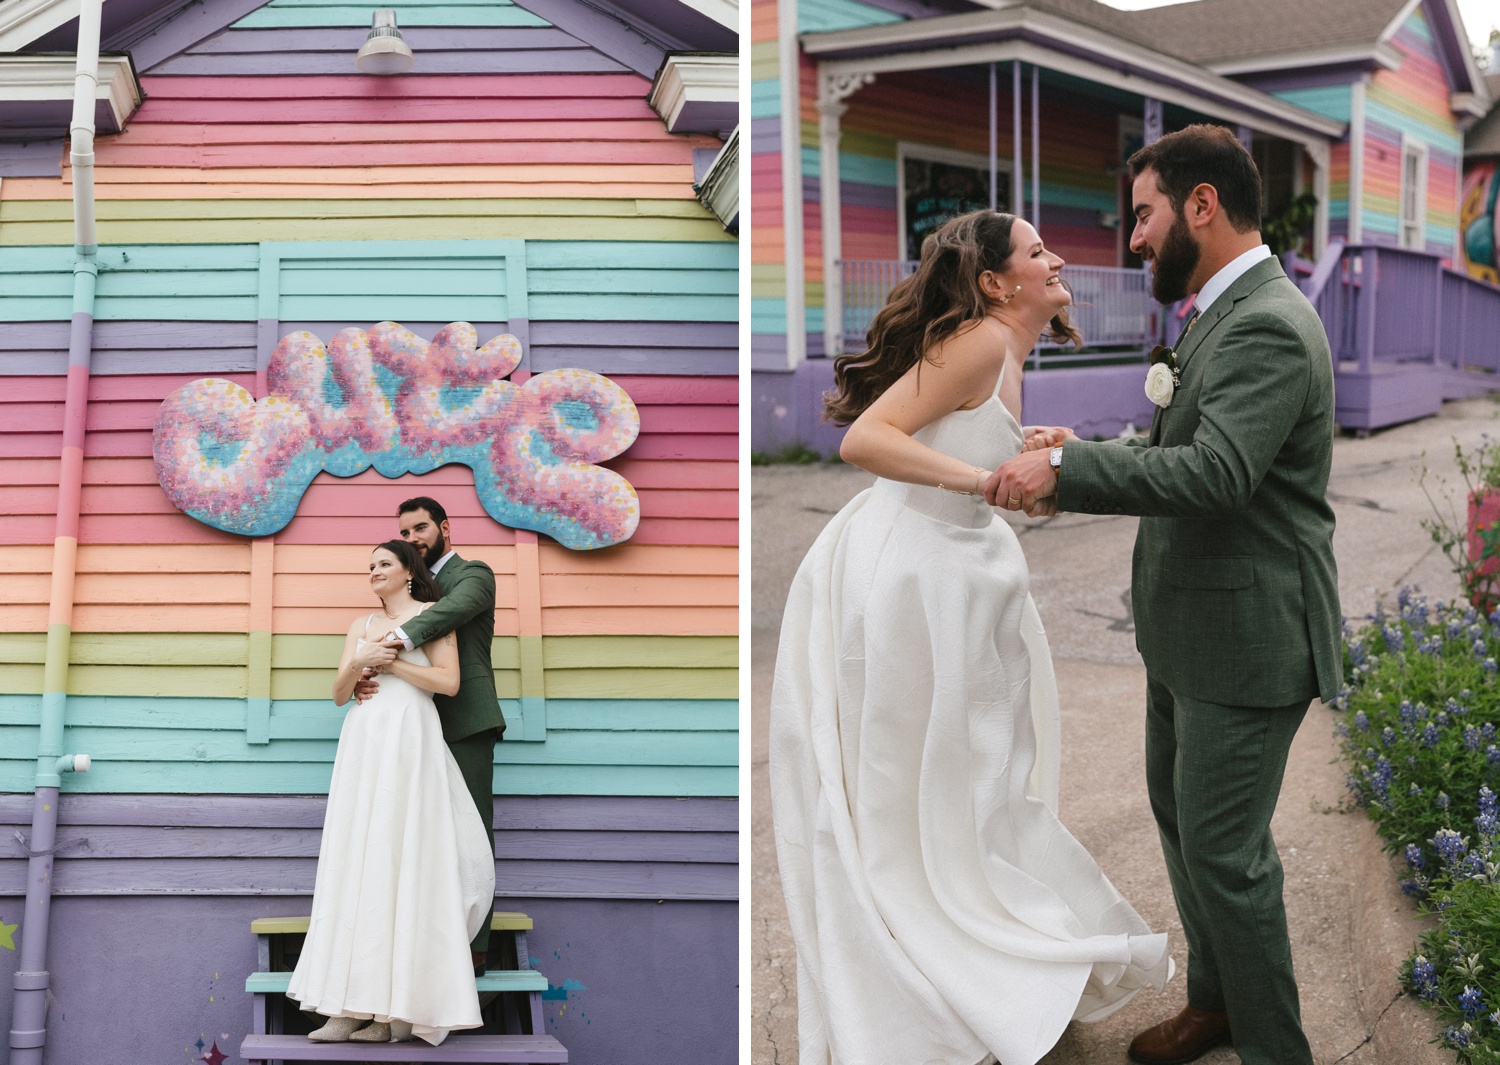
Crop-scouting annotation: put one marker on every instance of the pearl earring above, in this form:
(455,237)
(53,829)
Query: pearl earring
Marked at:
(1010,296)
(408,586)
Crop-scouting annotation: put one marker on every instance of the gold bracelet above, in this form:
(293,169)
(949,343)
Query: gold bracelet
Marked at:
(979,474)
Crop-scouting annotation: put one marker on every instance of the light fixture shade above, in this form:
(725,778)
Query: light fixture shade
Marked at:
(384,50)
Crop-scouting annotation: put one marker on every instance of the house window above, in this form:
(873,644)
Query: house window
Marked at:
(1413,195)
(936,184)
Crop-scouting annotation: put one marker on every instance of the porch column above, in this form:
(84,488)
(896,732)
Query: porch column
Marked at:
(1320,157)
(1036,148)
(1016,169)
(832,90)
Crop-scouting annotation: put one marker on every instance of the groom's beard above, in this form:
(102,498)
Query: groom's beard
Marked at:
(1175,262)
(435,552)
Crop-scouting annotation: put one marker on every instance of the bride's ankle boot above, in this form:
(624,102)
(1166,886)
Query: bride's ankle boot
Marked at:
(377,1032)
(338,1030)
(400,1031)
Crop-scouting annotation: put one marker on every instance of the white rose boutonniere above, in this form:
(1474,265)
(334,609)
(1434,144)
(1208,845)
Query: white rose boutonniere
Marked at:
(1162,379)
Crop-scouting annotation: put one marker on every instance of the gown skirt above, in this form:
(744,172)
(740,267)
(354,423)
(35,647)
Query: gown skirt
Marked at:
(941,912)
(405,874)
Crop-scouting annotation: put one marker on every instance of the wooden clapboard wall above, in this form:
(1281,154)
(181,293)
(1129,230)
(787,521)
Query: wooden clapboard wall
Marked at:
(1411,101)
(201,660)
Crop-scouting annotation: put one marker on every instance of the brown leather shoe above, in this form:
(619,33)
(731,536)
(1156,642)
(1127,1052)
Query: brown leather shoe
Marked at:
(1186,1037)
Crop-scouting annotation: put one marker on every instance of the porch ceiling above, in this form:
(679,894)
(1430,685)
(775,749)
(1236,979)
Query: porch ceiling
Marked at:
(1055,43)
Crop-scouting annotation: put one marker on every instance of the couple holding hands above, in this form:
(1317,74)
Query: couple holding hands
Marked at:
(406,868)
(942,913)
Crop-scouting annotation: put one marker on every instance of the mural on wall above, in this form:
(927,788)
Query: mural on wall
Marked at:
(1479,222)
(386,398)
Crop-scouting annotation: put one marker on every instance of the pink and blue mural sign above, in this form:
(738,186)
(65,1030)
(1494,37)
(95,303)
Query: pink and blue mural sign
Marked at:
(388,399)
(1479,222)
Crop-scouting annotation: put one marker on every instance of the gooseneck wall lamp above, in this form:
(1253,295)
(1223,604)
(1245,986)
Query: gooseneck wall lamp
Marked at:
(384,50)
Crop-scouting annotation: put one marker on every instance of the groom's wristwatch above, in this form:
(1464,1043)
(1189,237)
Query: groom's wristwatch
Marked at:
(1056,458)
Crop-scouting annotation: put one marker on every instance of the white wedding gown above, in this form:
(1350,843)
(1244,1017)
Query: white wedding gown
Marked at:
(405,874)
(941,911)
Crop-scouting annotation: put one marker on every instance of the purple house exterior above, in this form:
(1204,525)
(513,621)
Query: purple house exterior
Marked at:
(1359,105)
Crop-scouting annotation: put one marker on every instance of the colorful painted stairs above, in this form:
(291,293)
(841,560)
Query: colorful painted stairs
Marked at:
(511,999)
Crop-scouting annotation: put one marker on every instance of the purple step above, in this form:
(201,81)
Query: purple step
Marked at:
(489,1049)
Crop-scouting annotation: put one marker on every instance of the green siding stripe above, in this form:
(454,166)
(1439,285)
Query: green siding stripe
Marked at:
(819,16)
(1388,109)
(1330,101)
(659,749)
(568,281)
(281,14)
(320,719)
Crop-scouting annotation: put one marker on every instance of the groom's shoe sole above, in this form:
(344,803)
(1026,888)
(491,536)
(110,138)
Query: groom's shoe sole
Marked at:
(1221,1041)
(1181,1039)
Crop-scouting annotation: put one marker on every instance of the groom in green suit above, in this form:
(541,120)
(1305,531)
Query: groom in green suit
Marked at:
(1234,588)
(472,720)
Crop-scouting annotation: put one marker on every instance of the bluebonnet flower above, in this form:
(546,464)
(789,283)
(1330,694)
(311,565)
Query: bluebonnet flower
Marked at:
(1414,855)
(1472,865)
(1471,737)
(1395,638)
(1430,735)
(1424,979)
(1442,800)
(1455,627)
(1456,708)
(1490,666)
(1459,1037)
(1380,779)
(1492,755)
(1487,732)
(1388,736)
(1412,889)
(1487,801)
(1442,718)
(1466,695)
(1414,791)
(1408,712)
(1362,721)
(1480,649)
(1449,845)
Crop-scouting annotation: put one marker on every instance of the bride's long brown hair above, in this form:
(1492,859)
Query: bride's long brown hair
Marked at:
(941,298)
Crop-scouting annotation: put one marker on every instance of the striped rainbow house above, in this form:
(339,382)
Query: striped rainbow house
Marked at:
(872,120)
(558,170)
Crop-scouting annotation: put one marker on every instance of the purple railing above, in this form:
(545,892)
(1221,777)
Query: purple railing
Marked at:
(1393,305)
(1111,306)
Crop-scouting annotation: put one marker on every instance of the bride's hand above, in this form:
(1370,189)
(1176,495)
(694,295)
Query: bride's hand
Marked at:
(374,656)
(1046,436)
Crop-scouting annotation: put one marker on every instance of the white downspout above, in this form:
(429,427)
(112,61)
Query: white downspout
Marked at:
(32,981)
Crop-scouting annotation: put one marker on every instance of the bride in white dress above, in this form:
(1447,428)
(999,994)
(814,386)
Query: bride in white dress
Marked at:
(405,874)
(941,911)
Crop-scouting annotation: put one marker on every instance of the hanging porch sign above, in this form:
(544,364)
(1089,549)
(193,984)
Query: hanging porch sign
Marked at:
(386,398)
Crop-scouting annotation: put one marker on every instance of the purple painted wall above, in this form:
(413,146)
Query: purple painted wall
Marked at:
(648,981)
(786,408)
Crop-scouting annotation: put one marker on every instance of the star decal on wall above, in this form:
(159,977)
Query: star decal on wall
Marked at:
(7,939)
(215,1056)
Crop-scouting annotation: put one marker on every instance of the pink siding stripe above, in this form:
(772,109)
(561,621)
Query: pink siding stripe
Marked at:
(392,93)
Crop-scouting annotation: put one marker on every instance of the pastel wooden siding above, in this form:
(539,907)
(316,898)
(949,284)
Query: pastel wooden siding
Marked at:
(516,179)
(1411,100)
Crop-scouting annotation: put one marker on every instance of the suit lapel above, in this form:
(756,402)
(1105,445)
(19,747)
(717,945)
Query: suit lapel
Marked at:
(1245,284)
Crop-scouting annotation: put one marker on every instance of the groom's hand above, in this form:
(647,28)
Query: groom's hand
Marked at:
(1021,482)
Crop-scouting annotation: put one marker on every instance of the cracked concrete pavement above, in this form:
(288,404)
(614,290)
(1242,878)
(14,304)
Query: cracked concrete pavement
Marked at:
(1350,925)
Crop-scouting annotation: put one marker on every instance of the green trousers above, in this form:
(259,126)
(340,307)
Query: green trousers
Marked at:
(475,756)
(1213,773)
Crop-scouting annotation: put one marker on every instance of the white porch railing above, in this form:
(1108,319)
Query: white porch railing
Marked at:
(1112,307)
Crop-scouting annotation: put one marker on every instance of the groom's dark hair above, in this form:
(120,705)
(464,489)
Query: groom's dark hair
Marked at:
(434,509)
(1204,155)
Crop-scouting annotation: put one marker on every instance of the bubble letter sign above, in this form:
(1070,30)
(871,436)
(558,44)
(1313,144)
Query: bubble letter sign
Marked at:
(386,398)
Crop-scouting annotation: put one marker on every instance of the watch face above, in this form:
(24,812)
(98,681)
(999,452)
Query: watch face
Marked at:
(1056,456)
